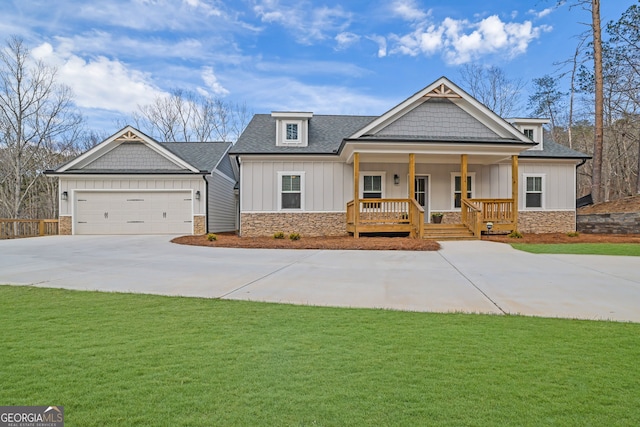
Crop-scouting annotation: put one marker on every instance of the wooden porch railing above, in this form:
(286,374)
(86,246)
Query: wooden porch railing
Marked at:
(14,228)
(386,215)
(473,217)
(495,210)
(481,211)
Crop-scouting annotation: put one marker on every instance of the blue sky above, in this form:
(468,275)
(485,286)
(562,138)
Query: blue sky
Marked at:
(328,57)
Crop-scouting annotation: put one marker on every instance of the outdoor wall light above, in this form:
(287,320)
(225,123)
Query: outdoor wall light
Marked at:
(489,226)
(396,179)
(65,195)
(198,195)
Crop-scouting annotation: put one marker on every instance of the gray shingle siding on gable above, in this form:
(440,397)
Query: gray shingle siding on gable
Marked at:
(437,118)
(326,133)
(132,156)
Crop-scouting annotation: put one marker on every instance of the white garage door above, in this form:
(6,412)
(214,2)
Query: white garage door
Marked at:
(143,212)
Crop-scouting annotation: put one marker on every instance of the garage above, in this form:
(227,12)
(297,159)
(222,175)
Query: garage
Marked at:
(133,212)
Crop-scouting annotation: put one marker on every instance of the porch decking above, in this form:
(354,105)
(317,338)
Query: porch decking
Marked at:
(407,216)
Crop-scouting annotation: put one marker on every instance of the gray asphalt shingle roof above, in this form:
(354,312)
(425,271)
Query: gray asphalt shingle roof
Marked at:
(552,150)
(326,133)
(202,155)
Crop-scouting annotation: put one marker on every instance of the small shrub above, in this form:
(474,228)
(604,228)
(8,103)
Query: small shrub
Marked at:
(515,235)
(294,236)
(212,237)
(573,234)
(278,235)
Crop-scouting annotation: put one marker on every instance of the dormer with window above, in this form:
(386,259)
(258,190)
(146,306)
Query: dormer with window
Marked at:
(532,129)
(292,128)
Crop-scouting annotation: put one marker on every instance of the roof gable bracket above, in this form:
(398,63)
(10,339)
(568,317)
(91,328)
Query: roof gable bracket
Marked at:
(442,91)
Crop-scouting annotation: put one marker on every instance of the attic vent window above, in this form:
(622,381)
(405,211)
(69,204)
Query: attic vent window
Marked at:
(528,133)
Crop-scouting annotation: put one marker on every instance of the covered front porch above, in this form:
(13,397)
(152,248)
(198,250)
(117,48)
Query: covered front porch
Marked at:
(468,218)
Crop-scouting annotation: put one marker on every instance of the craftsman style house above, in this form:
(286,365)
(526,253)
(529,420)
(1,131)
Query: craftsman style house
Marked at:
(439,151)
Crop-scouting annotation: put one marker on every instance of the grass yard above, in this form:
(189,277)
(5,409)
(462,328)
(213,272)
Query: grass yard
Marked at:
(628,249)
(140,360)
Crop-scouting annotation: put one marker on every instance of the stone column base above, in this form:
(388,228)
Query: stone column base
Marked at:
(65,225)
(199,225)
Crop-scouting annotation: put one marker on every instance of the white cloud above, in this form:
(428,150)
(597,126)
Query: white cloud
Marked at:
(346,39)
(461,41)
(212,82)
(99,82)
(542,13)
(307,23)
(382,45)
(408,10)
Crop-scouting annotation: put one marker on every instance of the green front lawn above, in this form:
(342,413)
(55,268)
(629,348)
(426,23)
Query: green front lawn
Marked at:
(628,249)
(140,360)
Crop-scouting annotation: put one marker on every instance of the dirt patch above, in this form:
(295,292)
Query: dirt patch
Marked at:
(347,243)
(627,204)
(563,238)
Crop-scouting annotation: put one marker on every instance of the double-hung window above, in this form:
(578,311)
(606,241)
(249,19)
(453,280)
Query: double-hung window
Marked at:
(372,187)
(457,188)
(528,133)
(290,190)
(534,191)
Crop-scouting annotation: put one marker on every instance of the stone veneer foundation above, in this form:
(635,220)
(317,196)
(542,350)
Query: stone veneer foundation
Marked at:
(546,221)
(64,225)
(334,224)
(306,223)
(199,225)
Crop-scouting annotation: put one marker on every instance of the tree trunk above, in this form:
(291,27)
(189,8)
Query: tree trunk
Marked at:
(596,183)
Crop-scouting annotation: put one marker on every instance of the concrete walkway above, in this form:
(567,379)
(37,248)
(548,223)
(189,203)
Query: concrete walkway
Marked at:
(475,276)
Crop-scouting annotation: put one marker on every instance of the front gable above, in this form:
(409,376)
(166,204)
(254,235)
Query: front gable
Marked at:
(127,151)
(437,118)
(441,111)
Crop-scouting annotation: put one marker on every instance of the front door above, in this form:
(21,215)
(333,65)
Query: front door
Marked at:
(422,194)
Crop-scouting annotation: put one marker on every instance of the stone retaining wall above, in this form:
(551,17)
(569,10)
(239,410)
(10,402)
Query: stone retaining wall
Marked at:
(305,223)
(610,223)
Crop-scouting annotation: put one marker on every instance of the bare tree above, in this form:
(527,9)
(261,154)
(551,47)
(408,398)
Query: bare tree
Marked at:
(34,110)
(492,87)
(187,116)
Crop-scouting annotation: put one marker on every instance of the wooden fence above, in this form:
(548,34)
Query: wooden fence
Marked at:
(15,228)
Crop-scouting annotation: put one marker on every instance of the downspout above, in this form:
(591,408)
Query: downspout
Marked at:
(575,214)
(206,204)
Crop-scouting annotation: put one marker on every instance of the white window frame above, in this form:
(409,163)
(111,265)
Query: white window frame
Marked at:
(533,133)
(280,174)
(282,134)
(383,179)
(471,190)
(542,192)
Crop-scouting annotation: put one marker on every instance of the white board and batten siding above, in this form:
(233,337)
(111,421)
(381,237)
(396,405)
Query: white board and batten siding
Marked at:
(329,185)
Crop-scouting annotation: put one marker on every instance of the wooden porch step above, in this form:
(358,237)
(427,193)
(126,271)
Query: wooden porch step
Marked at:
(447,232)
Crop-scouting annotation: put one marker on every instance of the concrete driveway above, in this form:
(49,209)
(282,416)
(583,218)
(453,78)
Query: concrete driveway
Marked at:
(475,276)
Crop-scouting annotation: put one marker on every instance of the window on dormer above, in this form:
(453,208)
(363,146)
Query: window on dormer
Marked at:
(528,133)
(292,132)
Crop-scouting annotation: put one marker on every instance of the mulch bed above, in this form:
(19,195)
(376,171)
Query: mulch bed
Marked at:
(227,240)
(363,243)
